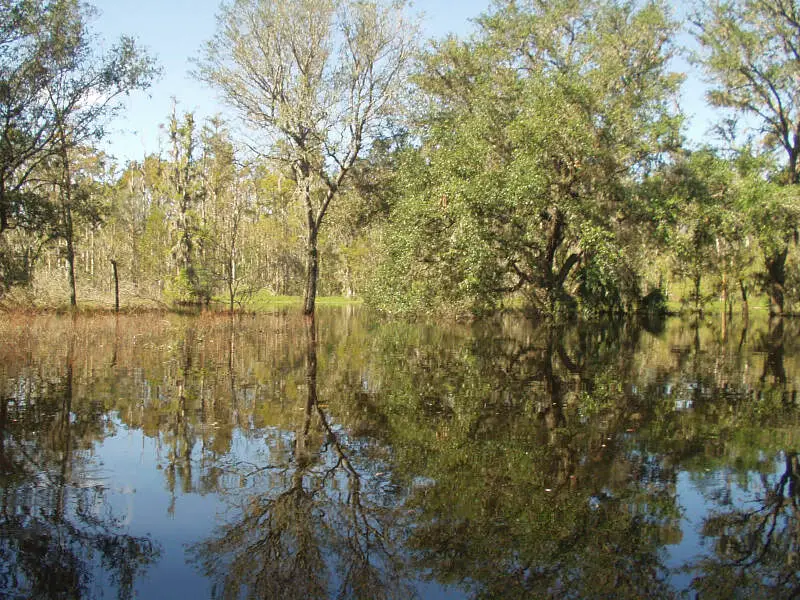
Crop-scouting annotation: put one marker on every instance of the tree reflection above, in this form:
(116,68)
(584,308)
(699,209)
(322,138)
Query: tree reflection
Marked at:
(756,546)
(755,538)
(507,459)
(307,528)
(774,348)
(58,535)
(523,483)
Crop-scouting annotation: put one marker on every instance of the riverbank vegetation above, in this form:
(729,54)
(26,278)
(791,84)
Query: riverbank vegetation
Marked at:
(539,163)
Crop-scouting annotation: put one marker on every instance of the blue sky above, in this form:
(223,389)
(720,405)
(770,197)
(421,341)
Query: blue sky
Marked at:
(174,31)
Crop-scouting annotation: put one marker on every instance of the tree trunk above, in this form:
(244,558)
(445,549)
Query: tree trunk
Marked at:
(554,239)
(3,206)
(91,253)
(552,279)
(73,299)
(745,305)
(724,295)
(698,305)
(116,285)
(66,199)
(312,272)
(232,274)
(776,272)
(792,168)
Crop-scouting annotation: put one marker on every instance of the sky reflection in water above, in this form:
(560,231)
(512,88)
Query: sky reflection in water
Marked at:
(266,457)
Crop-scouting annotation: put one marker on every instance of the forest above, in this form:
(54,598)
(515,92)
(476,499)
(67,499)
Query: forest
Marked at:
(539,163)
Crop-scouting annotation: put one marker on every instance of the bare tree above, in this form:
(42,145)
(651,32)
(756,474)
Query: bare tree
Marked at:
(319,79)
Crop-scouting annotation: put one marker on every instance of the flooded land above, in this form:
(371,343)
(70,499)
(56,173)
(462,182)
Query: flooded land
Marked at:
(271,457)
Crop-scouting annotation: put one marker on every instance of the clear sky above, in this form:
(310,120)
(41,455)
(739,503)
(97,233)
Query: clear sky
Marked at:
(174,31)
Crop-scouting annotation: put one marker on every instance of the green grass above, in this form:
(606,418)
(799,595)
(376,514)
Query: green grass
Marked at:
(756,301)
(265,301)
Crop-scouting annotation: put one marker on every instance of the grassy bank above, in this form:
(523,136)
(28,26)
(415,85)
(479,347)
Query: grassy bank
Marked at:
(260,302)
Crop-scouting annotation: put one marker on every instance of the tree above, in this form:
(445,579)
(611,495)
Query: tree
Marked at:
(28,64)
(693,202)
(773,210)
(320,79)
(185,192)
(56,96)
(536,132)
(229,192)
(139,225)
(76,179)
(751,52)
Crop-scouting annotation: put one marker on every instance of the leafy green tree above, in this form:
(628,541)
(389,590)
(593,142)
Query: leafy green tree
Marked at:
(83,95)
(774,211)
(34,37)
(694,202)
(78,201)
(230,191)
(186,195)
(28,64)
(126,225)
(750,50)
(57,94)
(535,133)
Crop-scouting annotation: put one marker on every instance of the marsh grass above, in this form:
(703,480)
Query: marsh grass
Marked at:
(54,298)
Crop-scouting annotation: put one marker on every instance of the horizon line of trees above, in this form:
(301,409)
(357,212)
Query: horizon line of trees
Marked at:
(538,162)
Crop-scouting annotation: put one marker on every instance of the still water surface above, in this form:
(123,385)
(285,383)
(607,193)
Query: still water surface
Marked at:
(162,456)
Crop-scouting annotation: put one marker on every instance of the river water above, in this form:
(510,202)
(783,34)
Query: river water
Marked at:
(266,456)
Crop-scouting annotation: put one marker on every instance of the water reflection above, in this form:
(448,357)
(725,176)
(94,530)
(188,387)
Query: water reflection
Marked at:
(755,544)
(537,491)
(312,523)
(356,458)
(57,537)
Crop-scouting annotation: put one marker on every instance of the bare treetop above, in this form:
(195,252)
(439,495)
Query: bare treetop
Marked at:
(317,77)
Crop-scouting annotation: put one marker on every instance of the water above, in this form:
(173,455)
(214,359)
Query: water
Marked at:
(162,457)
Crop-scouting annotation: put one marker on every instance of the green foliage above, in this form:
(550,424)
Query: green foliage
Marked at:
(57,93)
(541,166)
(716,217)
(749,48)
(180,289)
(321,79)
(750,51)
(533,142)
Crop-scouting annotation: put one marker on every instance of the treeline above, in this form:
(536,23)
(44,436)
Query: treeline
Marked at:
(539,162)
